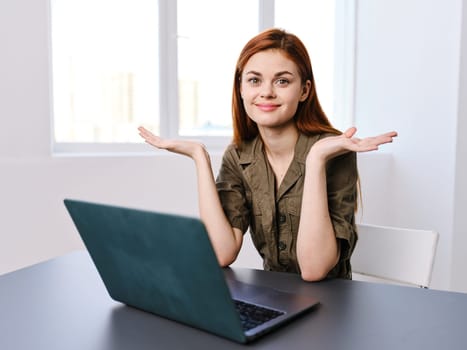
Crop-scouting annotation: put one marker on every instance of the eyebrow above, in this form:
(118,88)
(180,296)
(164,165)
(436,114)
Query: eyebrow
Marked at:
(278,74)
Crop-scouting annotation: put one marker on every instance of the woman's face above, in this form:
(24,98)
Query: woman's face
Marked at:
(271,89)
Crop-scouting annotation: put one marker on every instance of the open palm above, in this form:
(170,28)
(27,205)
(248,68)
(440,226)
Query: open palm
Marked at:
(184,147)
(333,146)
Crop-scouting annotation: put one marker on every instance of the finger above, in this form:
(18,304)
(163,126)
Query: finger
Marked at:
(391,134)
(388,135)
(386,138)
(145,132)
(367,148)
(350,132)
(150,137)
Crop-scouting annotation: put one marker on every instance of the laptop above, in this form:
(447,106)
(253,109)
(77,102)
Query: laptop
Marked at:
(165,264)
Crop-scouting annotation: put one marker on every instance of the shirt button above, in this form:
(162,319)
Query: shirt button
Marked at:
(282,218)
(282,245)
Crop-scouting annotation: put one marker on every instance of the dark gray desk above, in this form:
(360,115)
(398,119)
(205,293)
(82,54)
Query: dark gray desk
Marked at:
(62,304)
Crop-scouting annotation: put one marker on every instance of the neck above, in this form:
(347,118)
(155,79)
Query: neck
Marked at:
(280,143)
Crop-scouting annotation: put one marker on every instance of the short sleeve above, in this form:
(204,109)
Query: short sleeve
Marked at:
(342,184)
(231,190)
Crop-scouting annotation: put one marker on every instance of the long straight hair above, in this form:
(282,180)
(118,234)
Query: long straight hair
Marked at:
(310,117)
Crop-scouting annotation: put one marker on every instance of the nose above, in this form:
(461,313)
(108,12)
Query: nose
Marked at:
(267,91)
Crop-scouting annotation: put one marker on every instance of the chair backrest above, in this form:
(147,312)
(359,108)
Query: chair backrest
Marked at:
(394,255)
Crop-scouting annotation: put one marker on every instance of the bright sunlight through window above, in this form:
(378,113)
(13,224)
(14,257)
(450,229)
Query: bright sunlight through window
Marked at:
(168,65)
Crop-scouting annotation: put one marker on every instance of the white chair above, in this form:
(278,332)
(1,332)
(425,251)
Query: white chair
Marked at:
(394,255)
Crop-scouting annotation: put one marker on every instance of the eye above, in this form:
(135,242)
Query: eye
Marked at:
(282,81)
(253,81)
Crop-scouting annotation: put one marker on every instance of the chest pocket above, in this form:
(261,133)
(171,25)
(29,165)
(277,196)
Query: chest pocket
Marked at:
(256,222)
(293,204)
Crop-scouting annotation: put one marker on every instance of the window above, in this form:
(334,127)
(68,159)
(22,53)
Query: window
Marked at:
(169,65)
(314,24)
(207,54)
(105,69)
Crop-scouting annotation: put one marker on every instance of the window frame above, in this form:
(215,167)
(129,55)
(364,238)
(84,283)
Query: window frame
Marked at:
(344,81)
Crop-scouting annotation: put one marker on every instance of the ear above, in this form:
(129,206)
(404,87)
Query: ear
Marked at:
(305,90)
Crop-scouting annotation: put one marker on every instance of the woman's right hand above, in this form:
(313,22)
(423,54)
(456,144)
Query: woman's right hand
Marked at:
(184,147)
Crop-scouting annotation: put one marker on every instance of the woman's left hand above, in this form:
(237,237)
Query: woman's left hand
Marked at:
(333,146)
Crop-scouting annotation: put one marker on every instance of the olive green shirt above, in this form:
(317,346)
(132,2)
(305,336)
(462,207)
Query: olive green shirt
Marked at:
(247,190)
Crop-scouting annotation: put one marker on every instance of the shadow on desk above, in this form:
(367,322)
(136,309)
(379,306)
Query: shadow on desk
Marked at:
(131,328)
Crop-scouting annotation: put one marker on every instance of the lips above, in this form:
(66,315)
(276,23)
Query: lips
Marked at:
(267,107)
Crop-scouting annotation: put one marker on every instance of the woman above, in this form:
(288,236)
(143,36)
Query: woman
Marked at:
(288,176)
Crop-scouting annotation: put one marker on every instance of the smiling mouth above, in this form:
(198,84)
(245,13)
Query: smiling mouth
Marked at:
(267,107)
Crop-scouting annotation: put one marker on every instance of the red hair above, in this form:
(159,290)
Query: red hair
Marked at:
(310,117)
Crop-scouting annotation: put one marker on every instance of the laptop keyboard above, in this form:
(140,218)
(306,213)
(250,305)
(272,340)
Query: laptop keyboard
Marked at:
(252,315)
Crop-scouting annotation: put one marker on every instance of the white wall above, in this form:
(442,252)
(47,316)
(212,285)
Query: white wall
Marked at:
(407,79)
(459,258)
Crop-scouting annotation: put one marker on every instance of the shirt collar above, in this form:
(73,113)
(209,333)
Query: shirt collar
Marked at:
(251,149)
